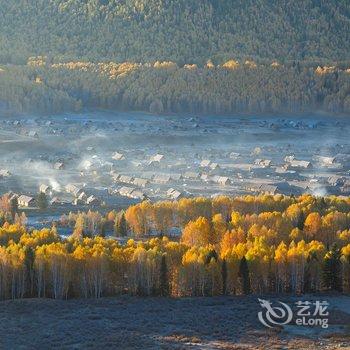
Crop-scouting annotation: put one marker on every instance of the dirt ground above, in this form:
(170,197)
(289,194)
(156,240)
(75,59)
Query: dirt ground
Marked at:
(161,323)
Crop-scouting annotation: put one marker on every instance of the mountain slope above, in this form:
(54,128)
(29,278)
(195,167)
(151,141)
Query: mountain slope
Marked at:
(182,31)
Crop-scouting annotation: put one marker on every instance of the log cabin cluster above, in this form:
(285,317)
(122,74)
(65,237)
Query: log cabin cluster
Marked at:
(86,171)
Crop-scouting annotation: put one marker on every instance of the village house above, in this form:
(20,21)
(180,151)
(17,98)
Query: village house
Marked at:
(262,188)
(283,170)
(326,161)
(77,201)
(223,180)
(55,202)
(191,175)
(58,166)
(205,163)
(115,176)
(170,191)
(234,155)
(161,178)
(86,164)
(137,194)
(256,151)
(286,188)
(148,176)
(82,197)
(12,196)
(74,190)
(265,163)
(289,158)
(136,164)
(4,173)
(140,182)
(132,192)
(126,191)
(45,189)
(26,201)
(285,174)
(299,164)
(33,134)
(336,180)
(176,195)
(214,166)
(205,177)
(118,156)
(126,179)
(156,158)
(93,201)
(268,189)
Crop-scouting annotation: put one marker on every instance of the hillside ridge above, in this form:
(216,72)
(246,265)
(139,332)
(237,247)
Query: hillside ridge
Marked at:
(181,31)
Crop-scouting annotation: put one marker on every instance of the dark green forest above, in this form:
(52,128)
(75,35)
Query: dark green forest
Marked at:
(177,30)
(208,56)
(166,87)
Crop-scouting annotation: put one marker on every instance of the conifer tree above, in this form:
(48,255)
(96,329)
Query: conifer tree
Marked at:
(301,220)
(224,276)
(14,207)
(164,279)
(212,254)
(29,258)
(244,276)
(120,226)
(42,201)
(331,272)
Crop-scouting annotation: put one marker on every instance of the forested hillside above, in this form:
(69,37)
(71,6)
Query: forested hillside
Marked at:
(163,87)
(181,31)
(208,56)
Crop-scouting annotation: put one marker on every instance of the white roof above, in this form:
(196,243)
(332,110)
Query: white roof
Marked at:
(44,188)
(157,158)
(170,191)
(205,163)
(176,194)
(82,195)
(234,155)
(70,188)
(4,173)
(125,178)
(25,199)
(140,182)
(191,175)
(118,156)
(214,166)
(300,163)
(126,191)
(91,199)
(162,178)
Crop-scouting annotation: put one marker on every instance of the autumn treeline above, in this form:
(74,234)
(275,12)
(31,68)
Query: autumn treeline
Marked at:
(227,246)
(235,86)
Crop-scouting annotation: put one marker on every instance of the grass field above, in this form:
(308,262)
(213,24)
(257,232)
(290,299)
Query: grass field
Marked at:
(161,323)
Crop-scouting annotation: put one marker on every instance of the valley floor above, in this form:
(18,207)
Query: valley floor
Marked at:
(163,323)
